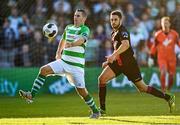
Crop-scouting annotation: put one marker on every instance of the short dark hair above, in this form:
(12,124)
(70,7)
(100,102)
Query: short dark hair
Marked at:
(83,12)
(118,13)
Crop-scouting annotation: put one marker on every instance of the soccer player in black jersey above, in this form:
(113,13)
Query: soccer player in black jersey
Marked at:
(122,61)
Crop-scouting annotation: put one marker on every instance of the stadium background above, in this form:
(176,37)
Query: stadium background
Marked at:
(23,48)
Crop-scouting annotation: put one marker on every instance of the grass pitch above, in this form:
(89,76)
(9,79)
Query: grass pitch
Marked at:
(122,108)
(85,120)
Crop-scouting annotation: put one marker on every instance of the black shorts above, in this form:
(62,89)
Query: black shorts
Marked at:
(129,68)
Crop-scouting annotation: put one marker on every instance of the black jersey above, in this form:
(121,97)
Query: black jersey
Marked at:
(125,63)
(117,37)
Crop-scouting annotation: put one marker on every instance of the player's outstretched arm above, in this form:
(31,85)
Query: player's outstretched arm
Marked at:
(60,49)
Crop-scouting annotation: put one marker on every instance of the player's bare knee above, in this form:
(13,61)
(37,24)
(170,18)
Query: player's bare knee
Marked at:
(141,89)
(43,71)
(163,71)
(101,80)
(82,92)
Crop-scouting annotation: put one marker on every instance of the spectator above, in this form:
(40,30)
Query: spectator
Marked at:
(105,49)
(26,55)
(176,18)
(99,33)
(38,19)
(149,23)
(15,20)
(136,36)
(7,48)
(62,7)
(162,12)
(130,15)
(142,54)
(37,49)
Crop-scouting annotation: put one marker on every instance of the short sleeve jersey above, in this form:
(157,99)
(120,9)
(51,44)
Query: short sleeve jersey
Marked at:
(75,55)
(117,38)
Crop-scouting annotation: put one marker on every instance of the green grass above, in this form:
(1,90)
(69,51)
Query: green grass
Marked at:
(70,109)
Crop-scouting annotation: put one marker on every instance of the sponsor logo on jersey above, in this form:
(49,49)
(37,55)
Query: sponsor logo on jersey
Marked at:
(125,34)
(166,42)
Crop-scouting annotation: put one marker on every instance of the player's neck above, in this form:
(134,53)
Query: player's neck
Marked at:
(166,30)
(78,25)
(116,29)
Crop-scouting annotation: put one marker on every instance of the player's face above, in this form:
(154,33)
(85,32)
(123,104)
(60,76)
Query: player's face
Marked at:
(78,18)
(165,24)
(115,21)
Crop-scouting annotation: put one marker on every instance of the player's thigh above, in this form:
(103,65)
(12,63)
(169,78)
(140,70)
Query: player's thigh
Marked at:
(76,77)
(57,66)
(46,70)
(172,67)
(163,66)
(132,71)
(106,75)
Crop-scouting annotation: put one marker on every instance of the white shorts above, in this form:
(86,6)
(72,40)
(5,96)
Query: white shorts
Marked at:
(75,75)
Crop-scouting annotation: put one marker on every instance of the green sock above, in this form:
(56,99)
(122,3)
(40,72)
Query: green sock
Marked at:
(38,83)
(90,102)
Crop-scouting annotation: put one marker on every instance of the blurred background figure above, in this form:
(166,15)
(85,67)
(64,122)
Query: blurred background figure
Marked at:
(164,46)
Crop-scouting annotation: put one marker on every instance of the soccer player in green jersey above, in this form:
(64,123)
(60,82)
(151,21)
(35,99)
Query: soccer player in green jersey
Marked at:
(70,60)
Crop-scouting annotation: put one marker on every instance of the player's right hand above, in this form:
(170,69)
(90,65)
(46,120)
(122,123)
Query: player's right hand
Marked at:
(150,62)
(104,64)
(58,56)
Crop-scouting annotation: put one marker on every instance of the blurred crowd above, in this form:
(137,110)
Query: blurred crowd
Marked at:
(23,44)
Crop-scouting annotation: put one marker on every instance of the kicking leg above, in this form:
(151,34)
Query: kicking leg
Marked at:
(51,68)
(142,87)
(38,83)
(40,79)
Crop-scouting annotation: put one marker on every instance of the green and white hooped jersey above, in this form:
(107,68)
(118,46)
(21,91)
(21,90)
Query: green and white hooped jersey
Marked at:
(75,55)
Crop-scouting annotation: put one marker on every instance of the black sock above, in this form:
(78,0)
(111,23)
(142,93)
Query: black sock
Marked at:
(153,91)
(102,97)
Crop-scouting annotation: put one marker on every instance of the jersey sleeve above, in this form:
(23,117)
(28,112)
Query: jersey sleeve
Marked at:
(64,34)
(125,35)
(85,32)
(153,49)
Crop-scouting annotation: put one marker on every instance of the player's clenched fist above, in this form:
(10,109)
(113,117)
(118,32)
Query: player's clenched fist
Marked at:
(104,64)
(58,56)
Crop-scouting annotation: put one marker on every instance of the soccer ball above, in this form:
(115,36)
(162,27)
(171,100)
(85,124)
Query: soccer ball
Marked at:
(50,30)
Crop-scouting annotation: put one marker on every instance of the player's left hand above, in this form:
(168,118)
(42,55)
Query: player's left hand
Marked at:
(68,45)
(111,58)
(178,56)
(104,64)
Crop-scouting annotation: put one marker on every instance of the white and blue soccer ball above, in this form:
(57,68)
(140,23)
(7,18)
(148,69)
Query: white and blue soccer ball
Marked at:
(50,30)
